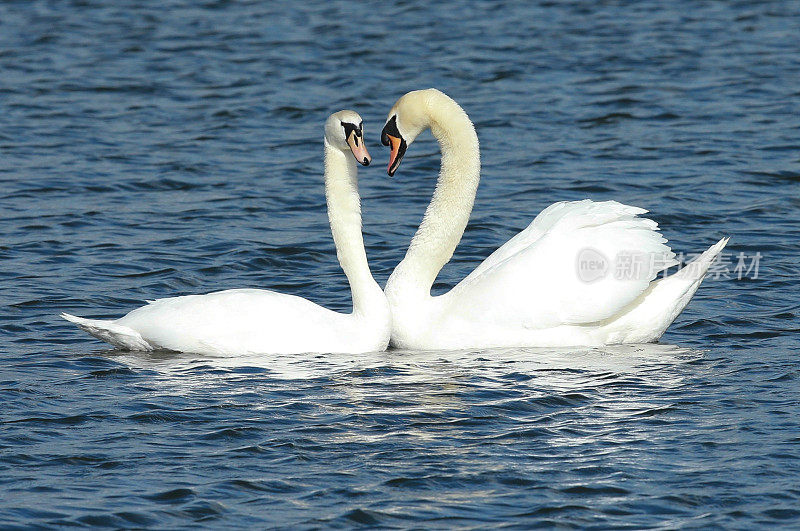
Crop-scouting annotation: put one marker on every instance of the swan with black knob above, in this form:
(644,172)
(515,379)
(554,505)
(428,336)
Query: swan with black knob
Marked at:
(531,291)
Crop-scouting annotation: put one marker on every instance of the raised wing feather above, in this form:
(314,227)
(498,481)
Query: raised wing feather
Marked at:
(577,262)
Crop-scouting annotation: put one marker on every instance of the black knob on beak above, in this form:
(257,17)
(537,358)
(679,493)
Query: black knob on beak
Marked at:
(390,129)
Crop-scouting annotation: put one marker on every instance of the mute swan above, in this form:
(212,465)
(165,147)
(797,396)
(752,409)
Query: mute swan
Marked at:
(252,321)
(556,283)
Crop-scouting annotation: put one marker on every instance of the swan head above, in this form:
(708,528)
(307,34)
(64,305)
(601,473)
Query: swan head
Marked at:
(344,130)
(409,116)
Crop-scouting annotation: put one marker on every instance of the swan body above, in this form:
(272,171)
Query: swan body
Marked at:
(253,321)
(539,289)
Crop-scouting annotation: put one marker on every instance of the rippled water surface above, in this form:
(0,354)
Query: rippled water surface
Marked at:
(150,149)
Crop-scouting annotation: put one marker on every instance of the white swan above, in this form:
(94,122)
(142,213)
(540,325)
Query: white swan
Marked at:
(251,321)
(559,282)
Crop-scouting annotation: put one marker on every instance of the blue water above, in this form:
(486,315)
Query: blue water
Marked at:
(150,149)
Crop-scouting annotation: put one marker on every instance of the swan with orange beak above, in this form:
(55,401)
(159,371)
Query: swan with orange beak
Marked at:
(531,291)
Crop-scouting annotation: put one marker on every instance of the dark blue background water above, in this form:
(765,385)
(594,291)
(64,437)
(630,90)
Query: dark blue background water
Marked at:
(150,149)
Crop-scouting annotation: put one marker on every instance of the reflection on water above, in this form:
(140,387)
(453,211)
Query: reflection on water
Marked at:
(427,366)
(427,384)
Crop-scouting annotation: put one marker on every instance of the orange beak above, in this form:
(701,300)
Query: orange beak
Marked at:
(394,157)
(390,136)
(359,149)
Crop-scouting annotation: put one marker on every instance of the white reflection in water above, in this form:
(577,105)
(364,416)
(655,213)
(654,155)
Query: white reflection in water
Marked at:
(620,359)
(439,374)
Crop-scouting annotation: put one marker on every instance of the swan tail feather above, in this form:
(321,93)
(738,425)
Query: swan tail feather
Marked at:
(118,335)
(695,271)
(648,317)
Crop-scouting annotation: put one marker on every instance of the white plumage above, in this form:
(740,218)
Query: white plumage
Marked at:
(251,321)
(532,291)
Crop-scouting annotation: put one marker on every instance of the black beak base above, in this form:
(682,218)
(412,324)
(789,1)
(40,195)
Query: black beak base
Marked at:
(390,129)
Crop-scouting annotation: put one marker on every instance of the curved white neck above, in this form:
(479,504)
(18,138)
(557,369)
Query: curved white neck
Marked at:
(344,214)
(448,212)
